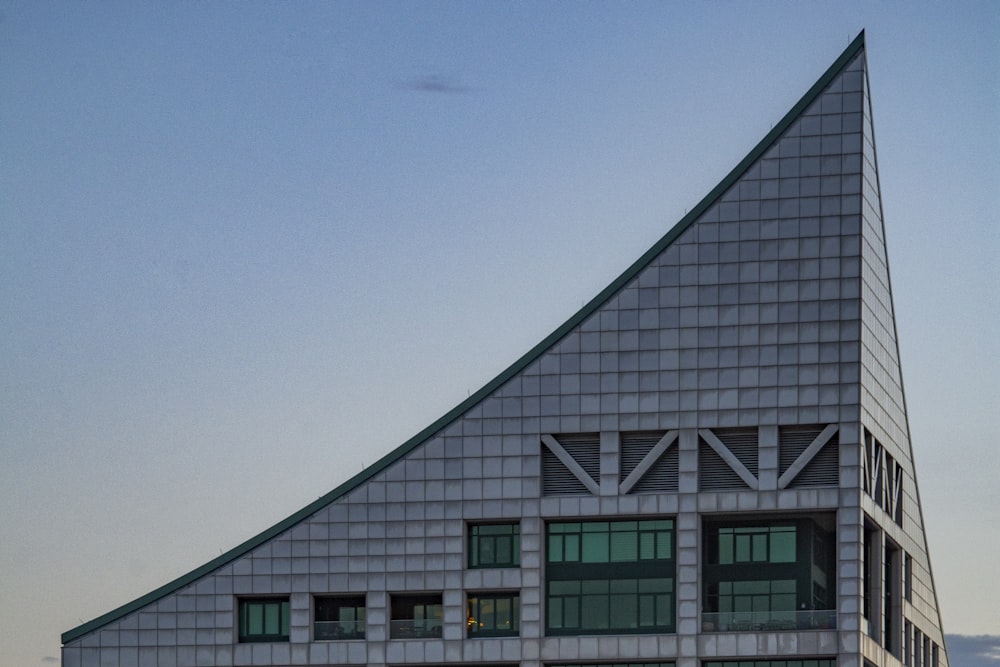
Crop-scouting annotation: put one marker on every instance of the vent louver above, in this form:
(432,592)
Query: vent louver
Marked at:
(792,441)
(823,469)
(661,476)
(714,474)
(585,450)
(742,442)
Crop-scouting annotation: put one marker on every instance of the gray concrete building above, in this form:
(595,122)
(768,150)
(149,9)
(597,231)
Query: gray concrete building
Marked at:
(709,465)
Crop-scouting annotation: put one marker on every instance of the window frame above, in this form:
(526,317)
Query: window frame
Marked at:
(476,539)
(669,663)
(757,587)
(243,621)
(775,662)
(357,602)
(512,596)
(611,576)
(432,617)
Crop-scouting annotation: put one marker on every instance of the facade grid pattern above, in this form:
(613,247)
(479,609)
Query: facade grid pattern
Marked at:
(768,309)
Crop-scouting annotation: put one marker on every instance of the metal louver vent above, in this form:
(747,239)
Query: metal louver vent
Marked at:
(557,479)
(742,442)
(585,448)
(792,441)
(714,474)
(662,475)
(822,470)
(635,445)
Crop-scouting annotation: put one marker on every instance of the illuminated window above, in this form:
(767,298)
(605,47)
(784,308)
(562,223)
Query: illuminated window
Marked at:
(494,614)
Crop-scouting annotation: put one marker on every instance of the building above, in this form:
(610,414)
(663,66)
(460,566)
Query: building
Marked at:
(709,465)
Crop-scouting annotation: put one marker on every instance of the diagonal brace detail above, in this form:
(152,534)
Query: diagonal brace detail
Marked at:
(805,457)
(658,450)
(729,458)
(571,464)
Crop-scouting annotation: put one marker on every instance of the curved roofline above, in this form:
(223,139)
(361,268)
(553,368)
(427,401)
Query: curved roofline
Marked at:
(855,47)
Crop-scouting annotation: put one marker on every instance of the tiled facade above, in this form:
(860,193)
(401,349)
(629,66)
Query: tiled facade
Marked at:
(752,350)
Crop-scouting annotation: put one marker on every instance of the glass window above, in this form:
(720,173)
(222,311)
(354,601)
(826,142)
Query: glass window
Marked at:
(494,545)
(782,544)
(586,596)
(610,541)
(769,573)
(797,662)
(341,617)
(774,544)
(725,554)
(907,577)
(596,547)
(617,664)
(415,616)
(907,643)
(611,605)
(263,620)
(494,614)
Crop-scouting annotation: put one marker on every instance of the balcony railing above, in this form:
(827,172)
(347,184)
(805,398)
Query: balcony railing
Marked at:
(768,621)
(415,628)
(339,630)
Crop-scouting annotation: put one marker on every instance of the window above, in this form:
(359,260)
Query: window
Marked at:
(769,573)
(619,664)
(892,608)
(263,620)
(757,544)
(795,662)
(610,577)
(871,549)
(494,614)
(882,478)
(907,644)
(771,602)
(415,616)
(494,545)
(340,617)
(907,577)
(611,541)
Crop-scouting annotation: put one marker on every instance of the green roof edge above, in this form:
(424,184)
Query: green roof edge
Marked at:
(631,272)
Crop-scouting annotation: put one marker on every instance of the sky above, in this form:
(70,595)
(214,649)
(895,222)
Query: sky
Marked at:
(247,249)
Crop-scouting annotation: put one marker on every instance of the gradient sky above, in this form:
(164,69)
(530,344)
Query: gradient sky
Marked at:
(247,249)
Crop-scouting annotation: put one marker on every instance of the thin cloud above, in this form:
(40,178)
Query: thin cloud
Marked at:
(434,83)
(974,650)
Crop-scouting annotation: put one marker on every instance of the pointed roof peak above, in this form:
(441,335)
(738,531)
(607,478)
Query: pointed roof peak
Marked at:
(779,129)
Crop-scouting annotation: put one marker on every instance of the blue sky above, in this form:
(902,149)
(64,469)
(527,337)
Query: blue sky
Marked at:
(974,651)
(248,248)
